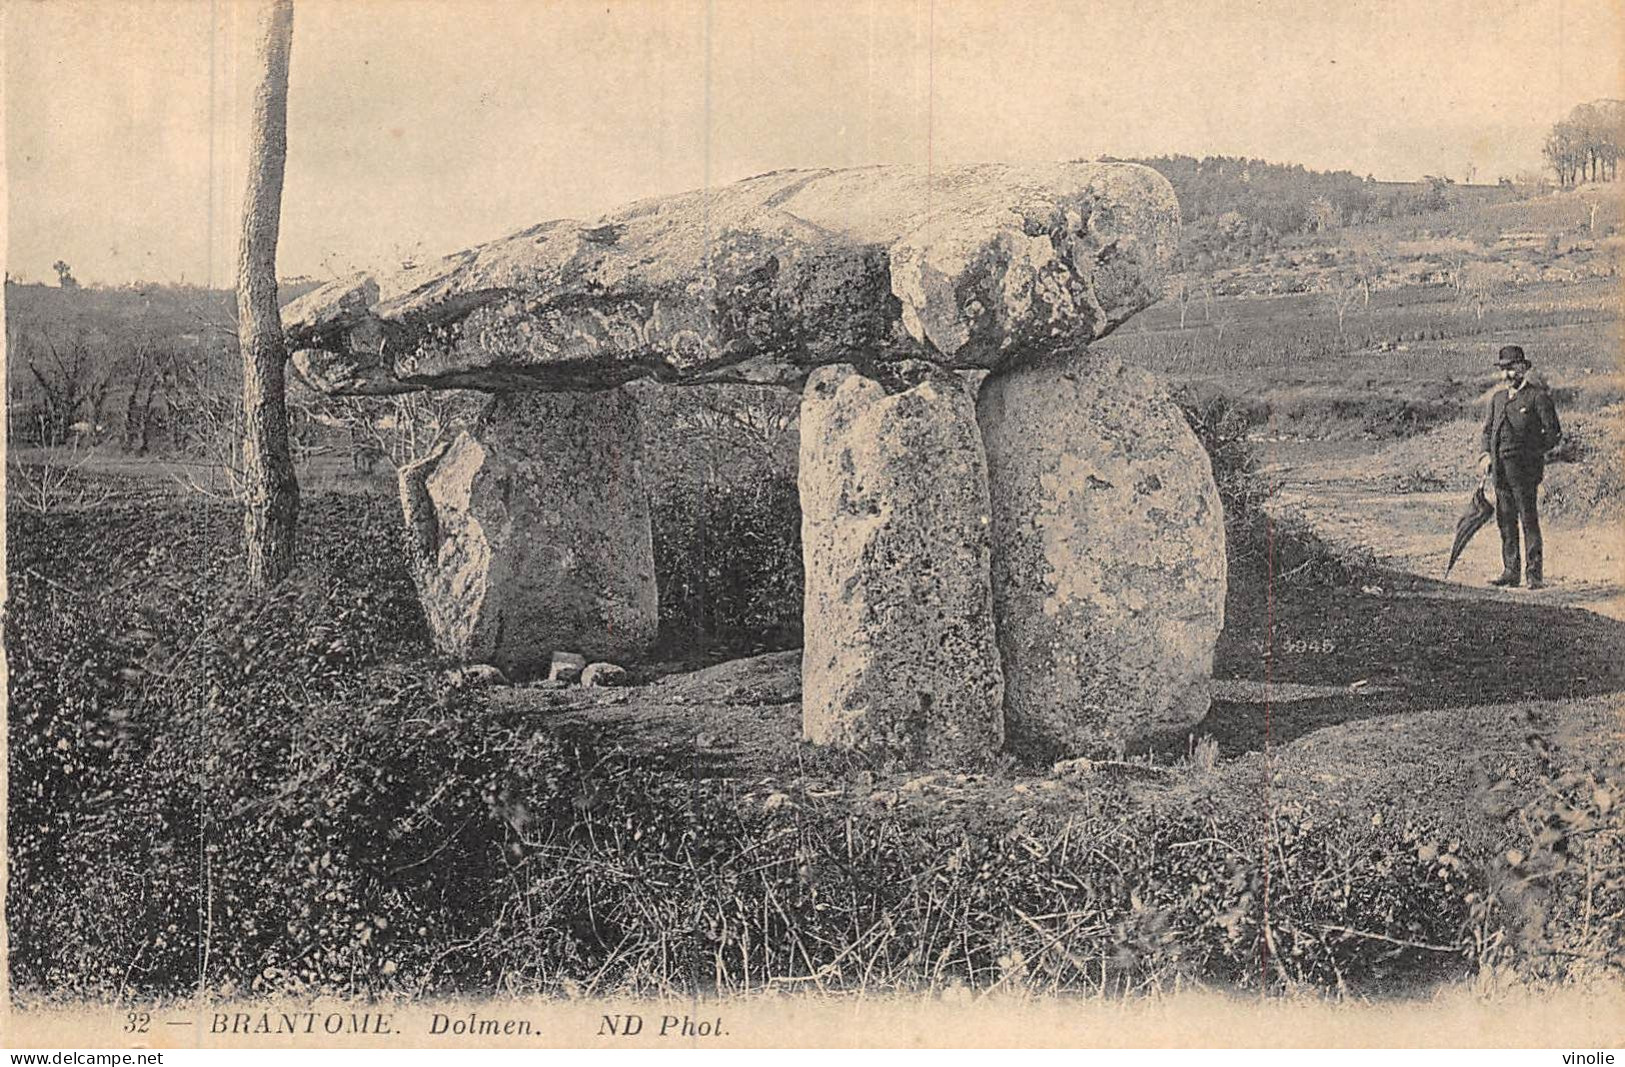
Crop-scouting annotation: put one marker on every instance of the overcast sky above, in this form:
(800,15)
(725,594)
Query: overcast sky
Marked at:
(421,127)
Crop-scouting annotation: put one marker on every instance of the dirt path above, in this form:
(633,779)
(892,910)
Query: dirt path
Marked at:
(1411,532)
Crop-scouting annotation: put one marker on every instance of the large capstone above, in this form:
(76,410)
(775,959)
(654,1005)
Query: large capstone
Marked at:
(899,659)
(971,267)
(1108,556)
(530,533)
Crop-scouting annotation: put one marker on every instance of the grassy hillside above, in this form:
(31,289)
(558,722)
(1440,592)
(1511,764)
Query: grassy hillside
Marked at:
(1385,329)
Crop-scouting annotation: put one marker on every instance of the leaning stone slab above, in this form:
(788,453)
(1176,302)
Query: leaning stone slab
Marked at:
(1108,556)
(530,533)
(899,657)
(970,267)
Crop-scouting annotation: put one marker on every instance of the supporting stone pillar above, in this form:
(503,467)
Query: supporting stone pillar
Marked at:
(1108,556)
(530,533)
(900,658)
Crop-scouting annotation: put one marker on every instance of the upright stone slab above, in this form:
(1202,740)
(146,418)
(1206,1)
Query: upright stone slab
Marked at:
(531,533)
(900,658)
(1108,556)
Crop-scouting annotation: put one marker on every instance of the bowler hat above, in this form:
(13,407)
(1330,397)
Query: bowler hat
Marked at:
(1511,356)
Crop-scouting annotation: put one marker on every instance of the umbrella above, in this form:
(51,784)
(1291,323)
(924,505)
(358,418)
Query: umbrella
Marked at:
(1479,510)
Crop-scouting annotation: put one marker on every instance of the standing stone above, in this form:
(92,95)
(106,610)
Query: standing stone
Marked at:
(531,533)
(1108,556)
(899,658)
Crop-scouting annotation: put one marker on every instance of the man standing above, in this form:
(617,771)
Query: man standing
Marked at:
(1521,428)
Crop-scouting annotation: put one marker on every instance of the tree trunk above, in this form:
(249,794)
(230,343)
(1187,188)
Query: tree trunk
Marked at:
(131,427)
(98,400)
(270,491)
(144,444)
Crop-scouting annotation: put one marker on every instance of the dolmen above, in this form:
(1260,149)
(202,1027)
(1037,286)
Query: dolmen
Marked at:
(1010,542)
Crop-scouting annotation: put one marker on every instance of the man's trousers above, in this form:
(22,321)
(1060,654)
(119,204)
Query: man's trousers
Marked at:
(1517,485)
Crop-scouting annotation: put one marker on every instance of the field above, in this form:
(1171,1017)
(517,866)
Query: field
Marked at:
(1404,784)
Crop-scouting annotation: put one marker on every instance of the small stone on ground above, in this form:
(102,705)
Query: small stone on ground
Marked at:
(604,675)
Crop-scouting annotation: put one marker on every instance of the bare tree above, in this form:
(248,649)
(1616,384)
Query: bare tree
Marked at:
(1179,288)
(1370,266)
(143,365)
(271,496)
(1564,150)
(1456,260)
(53,483)
(73,372)
(1483,284)
(399,429)
(1344,290)
(1324,213)
(745,424)
(205,422)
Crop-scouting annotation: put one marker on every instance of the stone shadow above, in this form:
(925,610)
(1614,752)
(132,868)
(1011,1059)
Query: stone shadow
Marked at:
(1296,658)
(1339,654)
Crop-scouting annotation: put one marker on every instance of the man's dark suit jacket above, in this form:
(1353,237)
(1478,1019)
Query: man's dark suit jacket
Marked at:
(1523,426)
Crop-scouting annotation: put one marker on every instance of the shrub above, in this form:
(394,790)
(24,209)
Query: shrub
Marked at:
(1281,545)
(1553,908)
(119,696)
(290,810)
(728,560)
(1587,483)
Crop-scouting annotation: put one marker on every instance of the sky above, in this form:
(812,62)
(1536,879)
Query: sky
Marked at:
(421,127)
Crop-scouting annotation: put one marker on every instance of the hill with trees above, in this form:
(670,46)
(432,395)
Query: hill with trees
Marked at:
(1236,210)
(1586,146)
(136,364)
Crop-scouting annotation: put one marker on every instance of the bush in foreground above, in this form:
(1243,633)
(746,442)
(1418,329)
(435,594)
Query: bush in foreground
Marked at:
(295,812)
(727,559)
(278,796)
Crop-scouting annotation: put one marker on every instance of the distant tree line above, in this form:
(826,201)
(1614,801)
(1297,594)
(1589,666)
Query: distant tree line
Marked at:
(1586,146)
(1236,209)
(141,367)
(146,368)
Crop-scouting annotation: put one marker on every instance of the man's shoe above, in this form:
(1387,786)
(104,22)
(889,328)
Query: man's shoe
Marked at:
(1505,579)
(1536,582)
